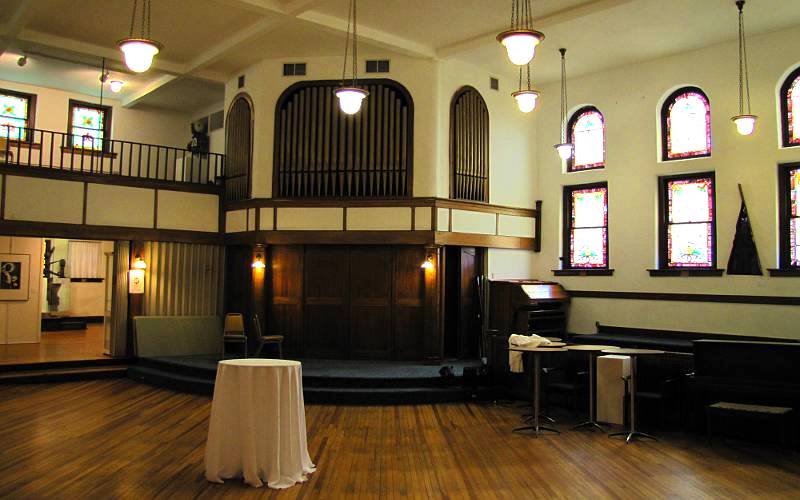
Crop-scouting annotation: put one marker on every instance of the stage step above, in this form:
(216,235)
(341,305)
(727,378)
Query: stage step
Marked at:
(172,380)
(29,376)
(383,396)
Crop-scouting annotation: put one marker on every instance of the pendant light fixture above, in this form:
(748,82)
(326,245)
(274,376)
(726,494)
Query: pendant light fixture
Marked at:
(350,97)
(139,52)
(526,99)
(564,148)
(745,123)
(521,40)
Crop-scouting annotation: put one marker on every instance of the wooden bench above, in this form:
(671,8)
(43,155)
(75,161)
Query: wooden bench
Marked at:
(773,415)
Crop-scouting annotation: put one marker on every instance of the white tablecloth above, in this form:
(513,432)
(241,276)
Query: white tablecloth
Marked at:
(258,424)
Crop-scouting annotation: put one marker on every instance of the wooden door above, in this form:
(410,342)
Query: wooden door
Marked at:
(409,313)
(326,318)
(371,330)
(467,324)
(286,297)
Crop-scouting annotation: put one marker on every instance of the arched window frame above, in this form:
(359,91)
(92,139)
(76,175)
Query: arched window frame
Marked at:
(243,96)
(786,86)
(666,107)
(577,115)
(483,140)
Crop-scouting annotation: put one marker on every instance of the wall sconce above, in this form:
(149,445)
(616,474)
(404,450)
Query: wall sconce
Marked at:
(136,276)
(258,263)
(139,263)
(428,264)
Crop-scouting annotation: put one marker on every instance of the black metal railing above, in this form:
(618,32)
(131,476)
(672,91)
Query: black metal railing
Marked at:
(63,152)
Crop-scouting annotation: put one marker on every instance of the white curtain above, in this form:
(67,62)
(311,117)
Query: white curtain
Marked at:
(85,259)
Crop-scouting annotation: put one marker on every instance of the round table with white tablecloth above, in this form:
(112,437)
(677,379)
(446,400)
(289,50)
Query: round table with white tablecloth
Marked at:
(257,428)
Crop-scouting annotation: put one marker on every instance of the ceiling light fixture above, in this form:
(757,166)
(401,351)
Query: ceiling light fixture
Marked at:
(745,123)
(350,98)
(526,99)
(22,61)
(139,52)
(521,40)
(115,85)
(564,148)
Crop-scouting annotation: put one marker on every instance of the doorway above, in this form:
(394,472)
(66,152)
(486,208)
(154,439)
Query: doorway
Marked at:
(462,326)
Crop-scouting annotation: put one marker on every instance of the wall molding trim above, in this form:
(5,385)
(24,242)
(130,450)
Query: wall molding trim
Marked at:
(688,297)
(81,231)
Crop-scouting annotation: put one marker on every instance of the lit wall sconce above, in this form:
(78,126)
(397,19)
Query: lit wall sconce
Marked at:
(136,276)
(258,263)
(139,263)
(428,264)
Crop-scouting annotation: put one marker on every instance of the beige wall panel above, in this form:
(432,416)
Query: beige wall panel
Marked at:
(511,264)
(236,221)
(44,200)
(379,219)
(188,211)
(86,299)
(466,221)
(512,225)
(422,218)
(119,206)
(310,219)
(251,219)
(20,321)
(442,219)
(267,219)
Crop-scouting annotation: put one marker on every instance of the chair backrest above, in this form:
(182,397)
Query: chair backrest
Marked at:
(234,323)
(257,326)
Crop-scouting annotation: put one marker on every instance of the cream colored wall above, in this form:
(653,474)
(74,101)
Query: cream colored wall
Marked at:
(216,139)
(20,321)
(630,99)
(137,125)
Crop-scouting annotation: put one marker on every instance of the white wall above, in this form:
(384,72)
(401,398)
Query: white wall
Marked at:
(630,99)
(216,139)
(148,126)
(21,321)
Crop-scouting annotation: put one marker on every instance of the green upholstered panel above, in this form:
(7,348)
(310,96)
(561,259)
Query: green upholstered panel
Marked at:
(177,335)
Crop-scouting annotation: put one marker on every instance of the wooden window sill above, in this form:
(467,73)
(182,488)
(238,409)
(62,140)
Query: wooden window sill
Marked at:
(583,272)
(784,273)
(13,145)
(88,152)
(685,272)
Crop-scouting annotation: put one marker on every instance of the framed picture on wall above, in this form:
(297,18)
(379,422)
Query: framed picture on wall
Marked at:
(14,272)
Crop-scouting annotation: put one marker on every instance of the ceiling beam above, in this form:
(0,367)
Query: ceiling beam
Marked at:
(20,15)
(131,100)
(559,17)
(238,39)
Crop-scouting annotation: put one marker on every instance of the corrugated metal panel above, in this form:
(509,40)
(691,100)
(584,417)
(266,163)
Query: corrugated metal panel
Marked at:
(182,279)
(119,303)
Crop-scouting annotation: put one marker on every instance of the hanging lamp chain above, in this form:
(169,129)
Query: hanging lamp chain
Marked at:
(347,41)
(355,42)
(149,10)
(743,70)
(145,24)
(529,76)
(563,95)
(133,17)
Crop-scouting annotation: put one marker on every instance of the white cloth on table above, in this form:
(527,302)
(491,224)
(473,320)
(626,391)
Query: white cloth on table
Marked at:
(257,428)
(515,357)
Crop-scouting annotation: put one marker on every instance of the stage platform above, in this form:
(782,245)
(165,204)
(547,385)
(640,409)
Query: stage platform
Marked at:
(330,381)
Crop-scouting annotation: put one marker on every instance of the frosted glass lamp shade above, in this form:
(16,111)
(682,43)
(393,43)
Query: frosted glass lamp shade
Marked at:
(745,124)
(526,100)
(520,45)
(139,53)
(115,85)
(350,99)
(564,150)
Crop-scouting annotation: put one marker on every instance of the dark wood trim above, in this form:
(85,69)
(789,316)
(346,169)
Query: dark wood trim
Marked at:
(155,209)
(88,152)
(583,272)
(784,273)
(537,234)
(450,220)
(4,179)
(117,180)
(688,297)
(81,231)
(413,218)
(784,213)
(570,138)
(31,122)
(665,118)
(107,116)
(484,240)
(13,143)
(85,202)
(567,224)
(783,98)
(684,272)
(663,216)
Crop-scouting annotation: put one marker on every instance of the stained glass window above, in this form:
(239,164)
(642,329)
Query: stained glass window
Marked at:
(88,126)
(15,111)
(686,124)
(689,228)
(587,133)
(789,189)
(790,109)
(587,223)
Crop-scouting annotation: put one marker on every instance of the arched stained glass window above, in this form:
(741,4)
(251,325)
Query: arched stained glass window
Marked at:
(790,109)
(686,125)
(587,132)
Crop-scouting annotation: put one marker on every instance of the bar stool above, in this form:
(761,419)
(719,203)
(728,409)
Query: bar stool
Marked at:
(634,354)
(233,332)
(593,351)
(536,352)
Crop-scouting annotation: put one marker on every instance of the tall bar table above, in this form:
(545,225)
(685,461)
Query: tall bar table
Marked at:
(536,352)
(593,351)
(634,354)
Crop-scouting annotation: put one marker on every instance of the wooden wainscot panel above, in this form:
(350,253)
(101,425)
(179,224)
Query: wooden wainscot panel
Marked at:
(371,272)
(409,309)
(188,211)
(442,219)
(108,205)
(422,218)
(236,221)
(286,292)
(326,318)
(24,195)
(310,219)
(379,219)
(266,216)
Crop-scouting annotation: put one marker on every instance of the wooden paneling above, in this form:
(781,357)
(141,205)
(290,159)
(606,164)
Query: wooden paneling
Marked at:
(469,146)
(239,148)
(409,292)
(285,297)
(321,152)
(326,318)
(371,276)
(238,283)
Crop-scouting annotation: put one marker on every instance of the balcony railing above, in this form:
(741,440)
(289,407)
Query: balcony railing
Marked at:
(59,151)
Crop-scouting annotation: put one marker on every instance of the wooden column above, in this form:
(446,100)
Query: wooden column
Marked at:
(433,323)
(258,294)
(135,300)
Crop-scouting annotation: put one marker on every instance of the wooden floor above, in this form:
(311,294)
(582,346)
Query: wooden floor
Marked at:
(67,345)
(120,439)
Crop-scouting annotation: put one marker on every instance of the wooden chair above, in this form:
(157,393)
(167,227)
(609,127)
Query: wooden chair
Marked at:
(233,332)
(266,339)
